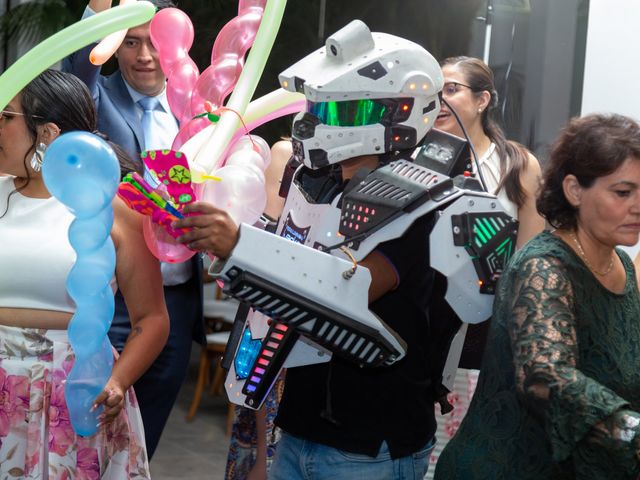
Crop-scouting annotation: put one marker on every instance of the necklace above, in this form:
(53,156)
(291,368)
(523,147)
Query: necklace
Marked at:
(584,257)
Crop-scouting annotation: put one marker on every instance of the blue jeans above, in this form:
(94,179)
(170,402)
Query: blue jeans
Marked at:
(301,459)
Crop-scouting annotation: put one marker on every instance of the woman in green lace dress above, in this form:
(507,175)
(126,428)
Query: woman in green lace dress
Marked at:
(559,392)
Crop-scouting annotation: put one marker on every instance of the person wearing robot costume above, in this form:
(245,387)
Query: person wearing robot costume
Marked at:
(347,278)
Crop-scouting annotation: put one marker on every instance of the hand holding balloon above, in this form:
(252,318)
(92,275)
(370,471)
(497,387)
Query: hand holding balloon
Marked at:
(211,230)
(82,172)
(111,399)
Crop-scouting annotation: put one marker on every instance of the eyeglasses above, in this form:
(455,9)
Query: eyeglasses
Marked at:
(7,115)
(451,88)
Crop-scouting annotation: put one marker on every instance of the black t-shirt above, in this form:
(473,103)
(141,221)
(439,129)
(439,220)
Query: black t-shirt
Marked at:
(367,406)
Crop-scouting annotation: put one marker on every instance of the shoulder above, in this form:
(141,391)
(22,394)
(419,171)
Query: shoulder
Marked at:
(112,81)
(531,163)
(531,173)
(545,249)
(280,153)
(544,262)
(125,220)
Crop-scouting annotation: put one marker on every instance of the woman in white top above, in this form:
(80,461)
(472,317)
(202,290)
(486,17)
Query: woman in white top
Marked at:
(510,171)
(36,438)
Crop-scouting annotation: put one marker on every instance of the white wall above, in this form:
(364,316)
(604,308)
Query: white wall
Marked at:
(612,63)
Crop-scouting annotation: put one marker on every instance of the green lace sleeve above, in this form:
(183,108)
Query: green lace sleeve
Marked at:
(581,416)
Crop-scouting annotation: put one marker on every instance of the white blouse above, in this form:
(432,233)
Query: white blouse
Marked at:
(490,166)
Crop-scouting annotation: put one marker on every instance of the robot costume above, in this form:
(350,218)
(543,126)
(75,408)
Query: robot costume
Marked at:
(367,93)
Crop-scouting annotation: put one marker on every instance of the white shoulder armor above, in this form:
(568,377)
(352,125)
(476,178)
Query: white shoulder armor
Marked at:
(306,279)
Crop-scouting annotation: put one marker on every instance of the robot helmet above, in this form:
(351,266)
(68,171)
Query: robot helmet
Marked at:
(366,94)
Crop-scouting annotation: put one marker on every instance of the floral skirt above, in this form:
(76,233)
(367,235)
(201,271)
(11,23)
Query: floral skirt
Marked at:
(463,389)
(36,437)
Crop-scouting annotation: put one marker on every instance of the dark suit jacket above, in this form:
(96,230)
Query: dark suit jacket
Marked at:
(117,115)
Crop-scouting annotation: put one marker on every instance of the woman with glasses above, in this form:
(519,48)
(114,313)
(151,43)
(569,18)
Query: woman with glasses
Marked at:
(36,437)
(509,170)
(559,392)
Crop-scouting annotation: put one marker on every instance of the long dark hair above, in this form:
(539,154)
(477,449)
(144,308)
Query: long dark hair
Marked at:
(589,147)
(513,156)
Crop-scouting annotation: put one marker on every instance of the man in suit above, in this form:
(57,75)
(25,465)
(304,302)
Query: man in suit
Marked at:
(133,111)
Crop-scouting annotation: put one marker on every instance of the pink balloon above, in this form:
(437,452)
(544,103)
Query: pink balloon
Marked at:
(252,142)
(240,192)
(244,4)
(237,36)
(162,245)
(215,83)
(188,130)
(227,58)
(172,35)
(180,84)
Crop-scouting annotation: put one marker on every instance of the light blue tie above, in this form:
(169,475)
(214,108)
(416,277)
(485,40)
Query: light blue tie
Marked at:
(152,126)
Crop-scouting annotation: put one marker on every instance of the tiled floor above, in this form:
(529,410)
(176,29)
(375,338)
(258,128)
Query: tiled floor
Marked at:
(196,450)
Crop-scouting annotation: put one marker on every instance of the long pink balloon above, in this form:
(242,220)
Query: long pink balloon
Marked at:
(227,56)
(187,89)
(172,34)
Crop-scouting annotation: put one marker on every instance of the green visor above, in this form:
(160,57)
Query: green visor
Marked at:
(349,113)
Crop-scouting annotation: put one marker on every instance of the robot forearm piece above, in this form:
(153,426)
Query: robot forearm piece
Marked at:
(306,290)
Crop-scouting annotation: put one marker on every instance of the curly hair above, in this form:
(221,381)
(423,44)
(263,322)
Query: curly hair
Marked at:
(588,148)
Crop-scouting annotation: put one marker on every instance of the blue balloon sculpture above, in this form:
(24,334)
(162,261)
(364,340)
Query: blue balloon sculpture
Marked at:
(82,172)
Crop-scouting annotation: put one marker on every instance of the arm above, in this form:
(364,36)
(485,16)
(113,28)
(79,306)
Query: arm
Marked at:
(531,223)
(99,5)
(139,280)
(280,154)
(384,276)
(78,62)
(215,232)
(581,415)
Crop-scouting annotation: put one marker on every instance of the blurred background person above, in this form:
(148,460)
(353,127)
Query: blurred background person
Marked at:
(509,169)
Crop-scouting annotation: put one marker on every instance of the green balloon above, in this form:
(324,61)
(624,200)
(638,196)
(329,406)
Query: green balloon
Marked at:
(69,40)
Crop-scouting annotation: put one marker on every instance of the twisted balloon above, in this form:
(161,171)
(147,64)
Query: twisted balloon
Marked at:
(82,172)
